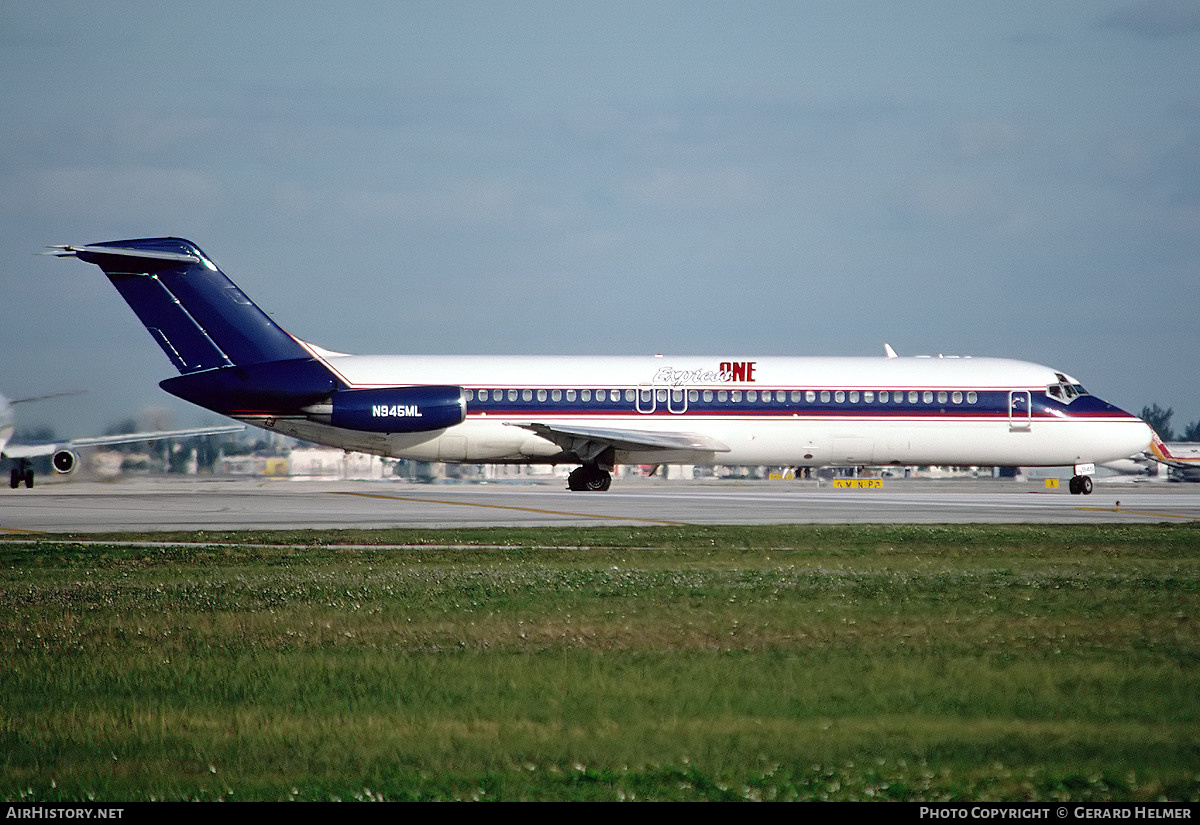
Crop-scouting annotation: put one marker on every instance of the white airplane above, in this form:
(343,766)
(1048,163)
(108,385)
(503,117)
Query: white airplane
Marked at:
(64,454)
(600,411)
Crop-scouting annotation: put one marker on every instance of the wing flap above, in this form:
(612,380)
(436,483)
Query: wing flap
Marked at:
(569,437)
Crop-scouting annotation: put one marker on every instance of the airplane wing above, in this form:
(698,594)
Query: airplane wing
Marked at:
(34,450)
(589,442)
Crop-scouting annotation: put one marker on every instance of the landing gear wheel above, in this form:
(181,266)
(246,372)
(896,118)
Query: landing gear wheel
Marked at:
(22,472)
(1080,485)
(590,478)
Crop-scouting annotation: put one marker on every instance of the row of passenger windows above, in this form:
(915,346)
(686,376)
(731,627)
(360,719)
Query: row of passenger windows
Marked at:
(729,396)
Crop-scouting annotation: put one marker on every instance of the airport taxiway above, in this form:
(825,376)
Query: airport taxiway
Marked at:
(173,503)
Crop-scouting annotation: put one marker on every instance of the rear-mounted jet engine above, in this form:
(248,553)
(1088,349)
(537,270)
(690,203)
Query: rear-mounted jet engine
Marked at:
(392,410)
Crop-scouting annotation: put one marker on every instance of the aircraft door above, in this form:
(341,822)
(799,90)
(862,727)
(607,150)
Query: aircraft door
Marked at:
(649,399)
(1020,410)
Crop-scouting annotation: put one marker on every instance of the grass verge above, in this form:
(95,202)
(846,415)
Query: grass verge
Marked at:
(797,662)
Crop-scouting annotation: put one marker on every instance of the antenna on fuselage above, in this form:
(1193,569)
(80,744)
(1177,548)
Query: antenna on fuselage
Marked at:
(889,352)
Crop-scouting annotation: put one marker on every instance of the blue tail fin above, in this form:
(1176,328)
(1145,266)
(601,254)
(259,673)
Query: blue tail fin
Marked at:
(196,314)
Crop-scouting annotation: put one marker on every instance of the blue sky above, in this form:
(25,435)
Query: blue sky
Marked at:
(1018,179)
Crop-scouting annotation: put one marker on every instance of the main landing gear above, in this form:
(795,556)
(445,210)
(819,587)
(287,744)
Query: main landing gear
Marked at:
(21,474)
(589,477)
(1080,485)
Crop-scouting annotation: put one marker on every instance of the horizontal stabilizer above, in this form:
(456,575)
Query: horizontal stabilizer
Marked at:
(68,251)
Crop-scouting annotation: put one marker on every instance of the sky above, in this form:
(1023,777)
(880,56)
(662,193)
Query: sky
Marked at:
(1017,179)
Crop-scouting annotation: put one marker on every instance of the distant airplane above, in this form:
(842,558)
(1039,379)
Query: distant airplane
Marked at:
(600,411)
(1182,457)
(64,457)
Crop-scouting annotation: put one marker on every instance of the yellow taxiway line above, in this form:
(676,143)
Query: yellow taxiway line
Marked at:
(508,507)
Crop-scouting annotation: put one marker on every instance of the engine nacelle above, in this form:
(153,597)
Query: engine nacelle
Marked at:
(393,409)
(64,461)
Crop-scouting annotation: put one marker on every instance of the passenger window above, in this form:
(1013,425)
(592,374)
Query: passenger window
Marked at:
(928,397)
(824,396)
(810,396)
(912,397)
(972,397)
(883,397)
(942,397)
(526,395)
(570,395)
(512,395)
(708,395)
(722,395)
(751,395)
(854,398)
(956,398)
(839,396)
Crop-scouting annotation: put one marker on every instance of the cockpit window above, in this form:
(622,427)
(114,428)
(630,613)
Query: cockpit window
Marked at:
(1066,389)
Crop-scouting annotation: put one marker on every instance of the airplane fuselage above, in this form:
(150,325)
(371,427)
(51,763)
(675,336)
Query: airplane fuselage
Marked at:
(758,411)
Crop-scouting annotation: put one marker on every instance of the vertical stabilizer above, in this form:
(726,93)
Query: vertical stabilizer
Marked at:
(192,310)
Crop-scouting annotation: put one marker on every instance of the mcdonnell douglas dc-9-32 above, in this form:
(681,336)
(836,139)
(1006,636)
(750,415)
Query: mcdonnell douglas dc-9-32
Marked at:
(596,412)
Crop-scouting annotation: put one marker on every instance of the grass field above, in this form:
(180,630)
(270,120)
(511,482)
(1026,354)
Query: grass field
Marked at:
(773,663)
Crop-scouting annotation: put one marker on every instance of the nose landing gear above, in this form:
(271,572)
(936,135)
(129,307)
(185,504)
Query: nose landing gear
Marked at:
(1080,485)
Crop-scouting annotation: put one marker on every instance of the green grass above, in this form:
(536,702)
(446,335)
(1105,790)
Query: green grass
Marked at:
(799,662)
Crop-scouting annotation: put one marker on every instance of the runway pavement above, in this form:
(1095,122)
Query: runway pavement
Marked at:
(173,503)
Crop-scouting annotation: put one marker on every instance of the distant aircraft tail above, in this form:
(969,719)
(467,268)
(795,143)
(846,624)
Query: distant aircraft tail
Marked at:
(1162,453)
(232,356)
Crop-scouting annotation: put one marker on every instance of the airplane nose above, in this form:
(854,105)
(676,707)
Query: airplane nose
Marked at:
(1146,437)
(1140,435)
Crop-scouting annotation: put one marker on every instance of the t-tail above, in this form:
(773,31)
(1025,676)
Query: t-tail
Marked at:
(192,310)
(235,360)
(232,357)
